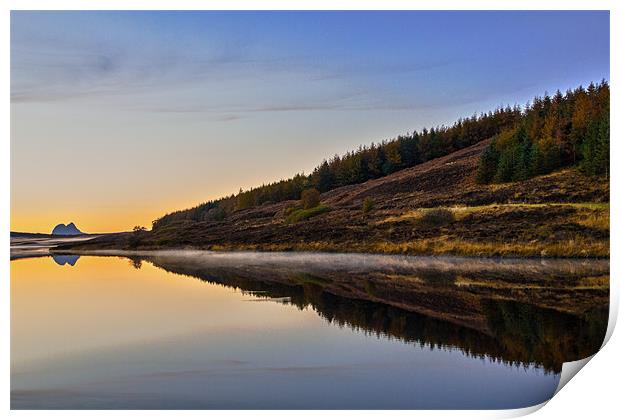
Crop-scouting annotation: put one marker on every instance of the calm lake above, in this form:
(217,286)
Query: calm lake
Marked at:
(185,330)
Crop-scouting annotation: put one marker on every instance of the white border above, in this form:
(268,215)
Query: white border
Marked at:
(592,394)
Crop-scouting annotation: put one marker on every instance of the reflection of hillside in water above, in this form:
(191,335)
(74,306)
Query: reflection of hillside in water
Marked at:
(542,313)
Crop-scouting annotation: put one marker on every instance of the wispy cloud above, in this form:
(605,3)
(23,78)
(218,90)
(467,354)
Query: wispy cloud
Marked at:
(70,71)
(63,74)
(361,102)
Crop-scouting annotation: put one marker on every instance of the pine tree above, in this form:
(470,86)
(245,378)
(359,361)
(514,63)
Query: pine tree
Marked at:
(602,149)
(487,165)
(323,178)
(589,149)
(523,164)
(506,166)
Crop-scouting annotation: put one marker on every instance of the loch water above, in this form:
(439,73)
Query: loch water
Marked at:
(200,330)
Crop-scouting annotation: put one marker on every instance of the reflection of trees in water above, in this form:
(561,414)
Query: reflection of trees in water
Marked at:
(546,336)
(520,333)
(135,262)
(516,332)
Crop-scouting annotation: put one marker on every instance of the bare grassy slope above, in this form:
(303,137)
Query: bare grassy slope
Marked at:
(560,214)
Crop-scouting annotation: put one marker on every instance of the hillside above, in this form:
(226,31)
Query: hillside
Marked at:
(431,208)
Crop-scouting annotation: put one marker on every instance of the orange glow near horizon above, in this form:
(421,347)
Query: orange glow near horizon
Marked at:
(91,219)
(94,222)
(118,215)
(101,202)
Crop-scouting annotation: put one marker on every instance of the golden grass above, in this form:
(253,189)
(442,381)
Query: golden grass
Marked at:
(571,248)
(436,246)
(596,220)
(599,282)
(590,215)
(462,211)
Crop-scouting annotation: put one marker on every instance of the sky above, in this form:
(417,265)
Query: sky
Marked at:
(120,117)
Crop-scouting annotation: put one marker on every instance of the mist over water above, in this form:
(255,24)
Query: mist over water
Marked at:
(354,262)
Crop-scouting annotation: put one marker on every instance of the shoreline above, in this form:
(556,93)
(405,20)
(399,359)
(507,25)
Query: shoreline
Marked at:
(171,251)
(434,247)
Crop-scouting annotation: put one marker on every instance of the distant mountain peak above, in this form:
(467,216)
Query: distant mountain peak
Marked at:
(70,229)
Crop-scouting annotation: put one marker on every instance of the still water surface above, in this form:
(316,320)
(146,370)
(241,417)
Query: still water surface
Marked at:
(207,332)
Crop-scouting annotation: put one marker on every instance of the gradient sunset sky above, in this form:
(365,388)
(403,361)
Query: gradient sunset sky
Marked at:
(120,117)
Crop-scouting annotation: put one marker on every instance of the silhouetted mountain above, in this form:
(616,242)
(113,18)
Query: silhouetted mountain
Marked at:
(69,229)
